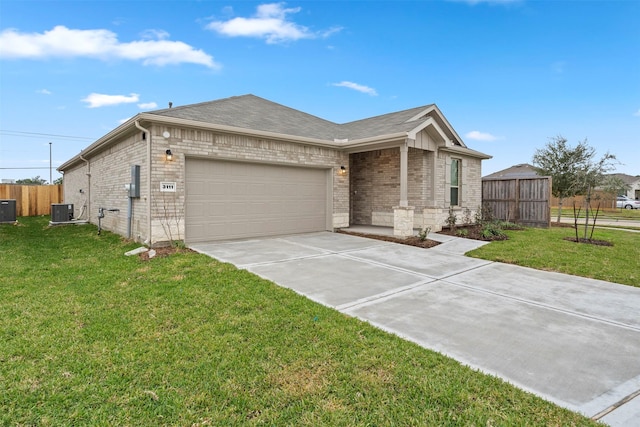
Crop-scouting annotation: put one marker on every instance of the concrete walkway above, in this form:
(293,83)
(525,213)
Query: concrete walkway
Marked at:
(571,340)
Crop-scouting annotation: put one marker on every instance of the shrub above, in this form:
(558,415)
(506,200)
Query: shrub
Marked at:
(451,219)
(493,231)
(462,233)
(424,233)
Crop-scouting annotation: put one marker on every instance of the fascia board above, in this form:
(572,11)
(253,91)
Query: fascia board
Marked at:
(375,143)
(446,122)
(435,108)
(426,123)
(100,143)
(465,151)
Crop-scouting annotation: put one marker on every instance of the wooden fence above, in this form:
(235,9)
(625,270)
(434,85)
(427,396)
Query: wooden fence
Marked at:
(605,200)
(32,200)
(524,201)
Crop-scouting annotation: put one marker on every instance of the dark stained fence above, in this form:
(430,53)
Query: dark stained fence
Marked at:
(32,200)
(525,201)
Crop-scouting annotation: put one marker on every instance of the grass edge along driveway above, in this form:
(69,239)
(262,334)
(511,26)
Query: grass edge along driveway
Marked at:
(546,249)
(90,337)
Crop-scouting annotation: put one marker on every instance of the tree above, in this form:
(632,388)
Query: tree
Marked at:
(591,176)
(57,181)
(615,186)
(32,181)
(563,163)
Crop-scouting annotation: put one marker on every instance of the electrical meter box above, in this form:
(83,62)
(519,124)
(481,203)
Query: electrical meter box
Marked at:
(134,187)
(7,211)
(61,212)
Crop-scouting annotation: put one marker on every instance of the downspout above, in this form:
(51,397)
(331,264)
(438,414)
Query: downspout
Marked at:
(148,134)
(89,187)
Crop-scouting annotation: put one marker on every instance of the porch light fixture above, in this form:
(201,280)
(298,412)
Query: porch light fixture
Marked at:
(169,155)
(342,171)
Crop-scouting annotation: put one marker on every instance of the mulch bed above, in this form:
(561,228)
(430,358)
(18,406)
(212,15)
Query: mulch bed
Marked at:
(472,232)
(412,241)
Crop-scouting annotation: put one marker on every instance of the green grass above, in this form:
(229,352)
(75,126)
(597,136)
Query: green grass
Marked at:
(545,249)
(91,337)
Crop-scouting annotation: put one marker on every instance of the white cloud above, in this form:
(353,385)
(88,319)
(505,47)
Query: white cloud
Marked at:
(480,136)
(96,100)
(99,44)
(147,105)
(358,87)
(637,113)
(270,23)
(44,92)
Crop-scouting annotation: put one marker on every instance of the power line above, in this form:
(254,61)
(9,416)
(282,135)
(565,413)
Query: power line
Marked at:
(41,135)
(32,167)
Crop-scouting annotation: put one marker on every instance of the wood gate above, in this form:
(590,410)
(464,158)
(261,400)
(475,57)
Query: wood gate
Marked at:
(526,201)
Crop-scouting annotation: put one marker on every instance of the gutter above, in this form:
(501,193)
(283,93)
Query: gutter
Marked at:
(89,186)
(148,134)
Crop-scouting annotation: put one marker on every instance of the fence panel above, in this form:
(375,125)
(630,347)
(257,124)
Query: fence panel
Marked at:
(525,201)
(32,200)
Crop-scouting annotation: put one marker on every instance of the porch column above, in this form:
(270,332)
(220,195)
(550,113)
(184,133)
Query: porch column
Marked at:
(404,168)
(403,214)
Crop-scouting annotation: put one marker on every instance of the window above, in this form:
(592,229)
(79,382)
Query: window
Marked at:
(455,182)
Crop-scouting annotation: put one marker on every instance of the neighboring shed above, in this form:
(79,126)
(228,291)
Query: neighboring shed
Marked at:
(244,166)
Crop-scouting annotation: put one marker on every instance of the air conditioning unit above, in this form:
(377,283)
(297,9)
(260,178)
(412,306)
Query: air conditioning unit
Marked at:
(61,212)
(7,211)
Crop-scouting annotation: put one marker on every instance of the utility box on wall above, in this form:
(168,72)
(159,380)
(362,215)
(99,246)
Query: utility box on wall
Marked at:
(134,188)
(7,211)
(61,212)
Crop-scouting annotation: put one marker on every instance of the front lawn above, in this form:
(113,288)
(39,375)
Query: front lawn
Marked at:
(90,337)
(546,249)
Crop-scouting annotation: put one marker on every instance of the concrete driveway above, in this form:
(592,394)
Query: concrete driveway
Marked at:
(573,341)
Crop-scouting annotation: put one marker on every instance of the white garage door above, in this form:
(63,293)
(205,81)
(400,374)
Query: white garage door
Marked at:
(234,200)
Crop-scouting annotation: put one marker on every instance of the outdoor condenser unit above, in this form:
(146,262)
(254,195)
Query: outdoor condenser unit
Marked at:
(7,211)
(61,212)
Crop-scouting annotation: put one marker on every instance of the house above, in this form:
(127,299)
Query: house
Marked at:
(523,170)
(244,166)
(632,183)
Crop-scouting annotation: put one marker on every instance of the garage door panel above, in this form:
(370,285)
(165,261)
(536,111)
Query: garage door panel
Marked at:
(229,200)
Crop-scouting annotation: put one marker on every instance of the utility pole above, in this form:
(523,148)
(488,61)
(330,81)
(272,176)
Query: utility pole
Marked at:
(50,168)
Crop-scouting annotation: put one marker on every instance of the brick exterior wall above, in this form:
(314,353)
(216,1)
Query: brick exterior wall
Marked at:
(111,171)
(365,195)
(375,186)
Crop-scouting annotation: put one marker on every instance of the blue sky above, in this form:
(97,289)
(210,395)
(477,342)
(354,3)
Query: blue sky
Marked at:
(508,74)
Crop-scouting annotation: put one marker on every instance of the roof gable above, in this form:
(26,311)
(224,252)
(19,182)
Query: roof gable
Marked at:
(253,112)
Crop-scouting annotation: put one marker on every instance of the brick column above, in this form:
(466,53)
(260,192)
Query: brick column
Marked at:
(403,221)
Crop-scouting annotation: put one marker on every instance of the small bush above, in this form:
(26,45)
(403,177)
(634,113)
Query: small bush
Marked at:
(451,219)
(424,233)
(466,216)
(462,233)
(493,231)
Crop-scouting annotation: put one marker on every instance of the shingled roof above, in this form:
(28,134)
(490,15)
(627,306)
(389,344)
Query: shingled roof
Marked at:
(253,112)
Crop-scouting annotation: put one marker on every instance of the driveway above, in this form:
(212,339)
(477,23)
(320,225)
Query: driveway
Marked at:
(571,340)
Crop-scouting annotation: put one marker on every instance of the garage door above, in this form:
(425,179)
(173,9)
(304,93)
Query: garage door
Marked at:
(233,200)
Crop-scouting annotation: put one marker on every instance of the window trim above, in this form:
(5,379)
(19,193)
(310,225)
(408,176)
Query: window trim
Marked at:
(455,201)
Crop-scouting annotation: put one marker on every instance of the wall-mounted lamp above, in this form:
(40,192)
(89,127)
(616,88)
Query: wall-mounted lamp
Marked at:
(342,171)
(169,155)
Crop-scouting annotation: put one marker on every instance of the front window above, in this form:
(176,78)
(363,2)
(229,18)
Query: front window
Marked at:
(455,182)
